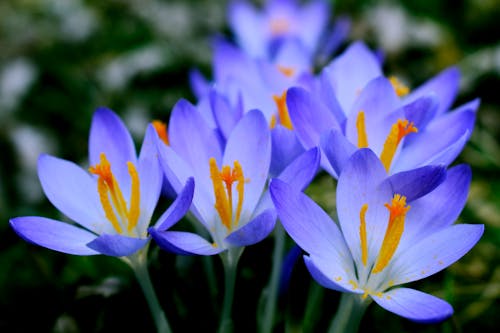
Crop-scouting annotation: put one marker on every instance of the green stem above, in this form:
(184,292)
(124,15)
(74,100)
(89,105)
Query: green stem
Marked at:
(348,317)
(138,263)
(267,322)
(230,260)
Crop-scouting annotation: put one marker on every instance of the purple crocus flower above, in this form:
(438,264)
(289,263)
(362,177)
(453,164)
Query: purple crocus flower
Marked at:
(392,230)
(112,202)
(354,109)
(229,198)
(257,30)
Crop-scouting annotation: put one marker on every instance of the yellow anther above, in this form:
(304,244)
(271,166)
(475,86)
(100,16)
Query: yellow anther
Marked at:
(283,115)
(111,196)
(223,190)
(287,71)
(161,129)
(399,87)
(397,213)
(398,131)
(362,234)
(361,128)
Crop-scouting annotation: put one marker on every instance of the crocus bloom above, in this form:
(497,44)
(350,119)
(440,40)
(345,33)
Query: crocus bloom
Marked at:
(358,109)
(112,201)
(230,180)
(256,31)
(393,230)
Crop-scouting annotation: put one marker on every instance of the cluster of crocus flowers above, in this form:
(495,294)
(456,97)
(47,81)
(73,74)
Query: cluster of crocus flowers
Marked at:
(268,118)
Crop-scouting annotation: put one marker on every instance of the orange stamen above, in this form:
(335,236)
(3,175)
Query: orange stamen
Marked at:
(399,87)
(361,127)
(398,131)
(283,115)
(161,129)
(362,234)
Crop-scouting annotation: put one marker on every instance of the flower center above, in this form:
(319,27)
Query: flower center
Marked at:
(279,26)
(399,87)
(161,130)
(395,227)
(283,117)
(222,181)
(399,130)
(115,207)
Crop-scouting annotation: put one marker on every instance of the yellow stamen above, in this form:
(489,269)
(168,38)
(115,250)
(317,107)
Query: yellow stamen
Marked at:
(397,213)
(161,129)
(398,131)
(399,87)
(111,196)
(223,190)
(283,115)
(361,127)
(287,71)
(362,234)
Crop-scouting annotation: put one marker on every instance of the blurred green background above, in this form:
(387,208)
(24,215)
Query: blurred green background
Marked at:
(60,59)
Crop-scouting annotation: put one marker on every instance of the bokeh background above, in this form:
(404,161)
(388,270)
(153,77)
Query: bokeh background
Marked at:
(60,59)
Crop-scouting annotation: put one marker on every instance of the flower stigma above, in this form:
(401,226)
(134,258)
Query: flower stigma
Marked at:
(112,199)
(222,181)
(395,227)
(399,130)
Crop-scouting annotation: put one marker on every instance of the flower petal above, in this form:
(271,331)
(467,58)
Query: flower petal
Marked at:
(351,71)
(73,192)
(309,117)
(414,305)
(444,85)
(416,183)
(117,245)
(434,253)
(421,112)
(308,225)
(225,116)
(54,235)
(302,170)
(109,135)
(337,149)
(441,207)
(255,230)
(285,148)
(184,243)
(178,208)
(330,276)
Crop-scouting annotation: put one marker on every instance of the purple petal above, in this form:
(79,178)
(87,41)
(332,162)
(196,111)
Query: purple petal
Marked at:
(329,276)
(444,86)
(199,85)
(178,208)
(414,305)
(309,226)
(117,245)
(54,235)
(337,149)
(421,111)
(109,135)
(434,253)
(225,116)
(441,207)
(184,243)
(309,116)
(302,170)
(416,183)
(247,26)
(254,231)
(351,71)
(285,148)
(72,191)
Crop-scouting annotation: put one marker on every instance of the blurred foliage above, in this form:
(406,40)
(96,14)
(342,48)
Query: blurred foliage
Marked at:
(59,60)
